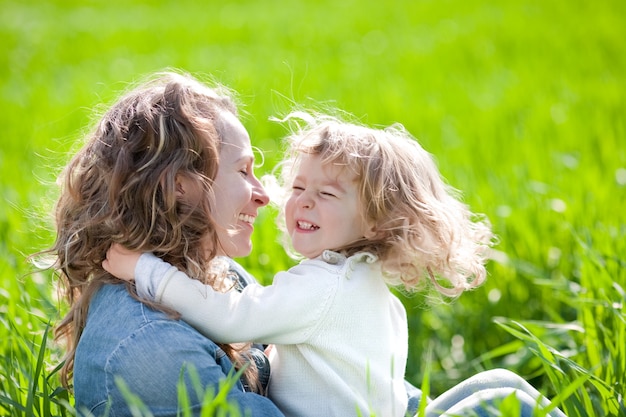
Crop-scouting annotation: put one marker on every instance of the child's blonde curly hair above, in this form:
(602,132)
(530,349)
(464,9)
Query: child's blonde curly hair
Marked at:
(422,228)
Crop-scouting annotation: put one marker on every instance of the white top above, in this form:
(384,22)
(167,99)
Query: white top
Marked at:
(340,335)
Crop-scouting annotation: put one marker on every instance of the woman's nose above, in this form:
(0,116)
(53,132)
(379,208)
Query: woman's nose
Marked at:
(259,195)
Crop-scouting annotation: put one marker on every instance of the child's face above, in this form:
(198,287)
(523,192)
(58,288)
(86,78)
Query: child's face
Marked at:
(238,192)
(323,211)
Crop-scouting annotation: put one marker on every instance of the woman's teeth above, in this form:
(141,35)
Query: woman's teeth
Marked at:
(246,218)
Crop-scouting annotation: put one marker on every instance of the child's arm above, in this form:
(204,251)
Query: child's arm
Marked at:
(286,312)
(147,270)
(120,262)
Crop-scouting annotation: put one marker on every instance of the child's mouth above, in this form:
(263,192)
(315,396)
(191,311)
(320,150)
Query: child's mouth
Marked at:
(306,225)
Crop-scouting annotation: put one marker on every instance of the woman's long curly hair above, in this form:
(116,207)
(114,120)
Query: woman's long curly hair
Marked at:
(121,187)
(423,230)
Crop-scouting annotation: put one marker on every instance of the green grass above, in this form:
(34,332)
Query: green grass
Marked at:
(522,102)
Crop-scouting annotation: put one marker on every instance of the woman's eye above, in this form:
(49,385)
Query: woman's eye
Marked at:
(244,172)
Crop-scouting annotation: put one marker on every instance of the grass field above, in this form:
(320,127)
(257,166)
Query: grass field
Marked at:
(523,103)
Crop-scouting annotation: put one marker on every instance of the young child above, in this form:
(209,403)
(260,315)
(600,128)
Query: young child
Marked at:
(368,209)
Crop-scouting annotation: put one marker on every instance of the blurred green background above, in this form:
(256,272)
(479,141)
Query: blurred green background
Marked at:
(522,102)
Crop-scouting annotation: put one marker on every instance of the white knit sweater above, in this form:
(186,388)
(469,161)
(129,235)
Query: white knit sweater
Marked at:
(340,335)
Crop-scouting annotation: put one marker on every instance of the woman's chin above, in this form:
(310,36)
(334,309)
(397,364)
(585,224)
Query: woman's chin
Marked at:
(236,250)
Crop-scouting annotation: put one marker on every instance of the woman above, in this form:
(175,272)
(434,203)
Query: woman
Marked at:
(168,169)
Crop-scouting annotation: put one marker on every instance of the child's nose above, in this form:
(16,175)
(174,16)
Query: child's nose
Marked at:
(305,201)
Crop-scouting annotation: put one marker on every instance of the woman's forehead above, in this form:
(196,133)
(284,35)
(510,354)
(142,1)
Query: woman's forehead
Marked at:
(235,138)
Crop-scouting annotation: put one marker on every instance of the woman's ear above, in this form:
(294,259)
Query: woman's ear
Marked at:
(180,188)
(187,189)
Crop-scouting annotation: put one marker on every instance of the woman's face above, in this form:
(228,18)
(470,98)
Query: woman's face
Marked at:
(238,192)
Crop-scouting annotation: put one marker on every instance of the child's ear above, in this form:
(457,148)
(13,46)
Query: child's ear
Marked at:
(370,231)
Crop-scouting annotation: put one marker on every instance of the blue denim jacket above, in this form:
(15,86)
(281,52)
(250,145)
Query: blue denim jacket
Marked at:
(125,339)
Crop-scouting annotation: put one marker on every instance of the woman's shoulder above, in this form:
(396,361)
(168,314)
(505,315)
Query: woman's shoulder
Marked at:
(118,323)
(148,349)
(113,302)
(114,310)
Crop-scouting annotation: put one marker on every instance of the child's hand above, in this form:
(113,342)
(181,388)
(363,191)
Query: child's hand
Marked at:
(121,262)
